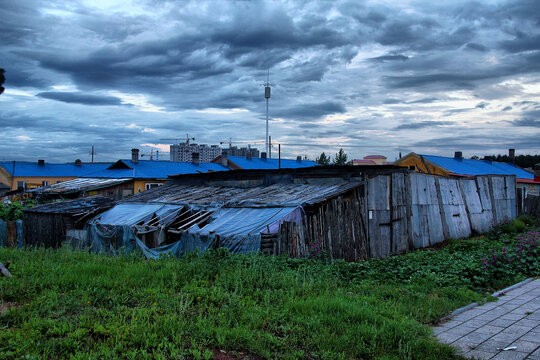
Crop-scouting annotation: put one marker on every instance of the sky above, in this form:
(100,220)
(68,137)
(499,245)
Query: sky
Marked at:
(373,77)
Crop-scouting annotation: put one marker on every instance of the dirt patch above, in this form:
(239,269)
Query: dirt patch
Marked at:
(5,306)
(223,355)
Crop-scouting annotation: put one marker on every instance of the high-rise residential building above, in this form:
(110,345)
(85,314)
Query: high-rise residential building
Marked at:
(183,152)
(235,151)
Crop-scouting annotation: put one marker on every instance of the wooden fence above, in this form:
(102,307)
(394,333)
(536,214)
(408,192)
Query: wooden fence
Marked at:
(394,213)
(532,206)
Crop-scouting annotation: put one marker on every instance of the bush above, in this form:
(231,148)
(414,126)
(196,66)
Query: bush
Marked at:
(13,211)
(520,255)
(528,220)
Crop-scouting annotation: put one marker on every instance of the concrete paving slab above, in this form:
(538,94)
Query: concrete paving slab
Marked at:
(510,355)
(525,346)
(478,354)
(482,331)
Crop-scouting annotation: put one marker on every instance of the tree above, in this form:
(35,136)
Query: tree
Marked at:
(341,158)
(323,159)
(2,79)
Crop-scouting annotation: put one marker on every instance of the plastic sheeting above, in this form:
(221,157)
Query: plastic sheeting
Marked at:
(237,229)
(132,214)
(114,229)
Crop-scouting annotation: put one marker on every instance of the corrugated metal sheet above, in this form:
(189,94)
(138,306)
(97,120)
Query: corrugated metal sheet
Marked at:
(73,206)
(258,163)
(281,195)
(24,168)
(478,167)
(80,184)
(157,169)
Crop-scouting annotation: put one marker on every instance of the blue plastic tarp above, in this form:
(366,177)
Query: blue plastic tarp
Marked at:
(237,229)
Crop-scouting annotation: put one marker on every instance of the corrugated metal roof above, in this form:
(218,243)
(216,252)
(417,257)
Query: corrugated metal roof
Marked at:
(25,168)
(259,163)
(478,167)
(73,206)
(280,195)
(79,184)
(156,169)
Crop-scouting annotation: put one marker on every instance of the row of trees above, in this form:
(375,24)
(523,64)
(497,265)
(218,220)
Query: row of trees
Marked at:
(524,161)
(339,159)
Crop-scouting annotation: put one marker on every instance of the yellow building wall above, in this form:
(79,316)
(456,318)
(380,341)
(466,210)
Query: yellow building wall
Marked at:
(5,177)
(415,161)
(140,185)
(37,181)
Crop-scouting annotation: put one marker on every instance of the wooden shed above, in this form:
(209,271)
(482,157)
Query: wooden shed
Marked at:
(47,225)
(352,212)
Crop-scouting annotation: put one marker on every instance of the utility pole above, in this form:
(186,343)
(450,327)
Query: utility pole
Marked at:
(92,154)
(267,96)
(269,147)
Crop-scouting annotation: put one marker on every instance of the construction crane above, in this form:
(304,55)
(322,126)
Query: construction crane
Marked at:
(187,138)
(152,154)
(230,142)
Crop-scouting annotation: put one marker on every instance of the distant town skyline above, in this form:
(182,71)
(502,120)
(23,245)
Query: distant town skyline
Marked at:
(375,77)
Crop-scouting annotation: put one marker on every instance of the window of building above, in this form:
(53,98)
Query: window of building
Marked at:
(148,186)
(44,183)
(21,185)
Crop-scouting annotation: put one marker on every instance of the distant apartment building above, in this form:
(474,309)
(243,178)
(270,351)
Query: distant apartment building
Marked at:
(235,151)
(184,151)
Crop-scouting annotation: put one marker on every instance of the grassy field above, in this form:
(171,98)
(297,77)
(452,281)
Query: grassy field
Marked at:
(63,304)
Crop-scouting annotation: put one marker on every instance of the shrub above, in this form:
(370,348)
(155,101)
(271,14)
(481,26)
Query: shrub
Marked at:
(520,255)
(519,225)
(528,220)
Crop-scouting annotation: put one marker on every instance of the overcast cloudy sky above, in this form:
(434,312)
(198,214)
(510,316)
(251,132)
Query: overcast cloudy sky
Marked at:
(426,76)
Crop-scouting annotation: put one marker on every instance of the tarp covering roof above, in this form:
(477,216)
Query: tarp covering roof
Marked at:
(259,163)
(132,214)
(276,195)
(244,221)
(478,167)
(25,168)
(79,184)
(148,169)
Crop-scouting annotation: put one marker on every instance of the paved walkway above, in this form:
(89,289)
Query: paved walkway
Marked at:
(483,331)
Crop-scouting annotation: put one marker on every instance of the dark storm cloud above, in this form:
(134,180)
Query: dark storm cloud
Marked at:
(324,58)
(80,98)
(456,80)
(523,42)
(529,118)
(481,105)
(423,124)
(384,58)
(527,122)
(476,47)
(312,111)
(480,142)
(424,101)
(457,111)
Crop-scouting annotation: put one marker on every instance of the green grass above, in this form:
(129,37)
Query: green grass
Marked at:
(84,306)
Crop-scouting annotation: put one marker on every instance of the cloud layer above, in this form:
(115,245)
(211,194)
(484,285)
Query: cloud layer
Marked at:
(374,77)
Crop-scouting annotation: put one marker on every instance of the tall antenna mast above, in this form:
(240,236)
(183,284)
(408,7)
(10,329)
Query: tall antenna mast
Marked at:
(267,96)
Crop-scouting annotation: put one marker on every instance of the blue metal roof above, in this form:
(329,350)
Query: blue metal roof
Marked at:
(259,163)
(25,168)
(156,169)
(478,167)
